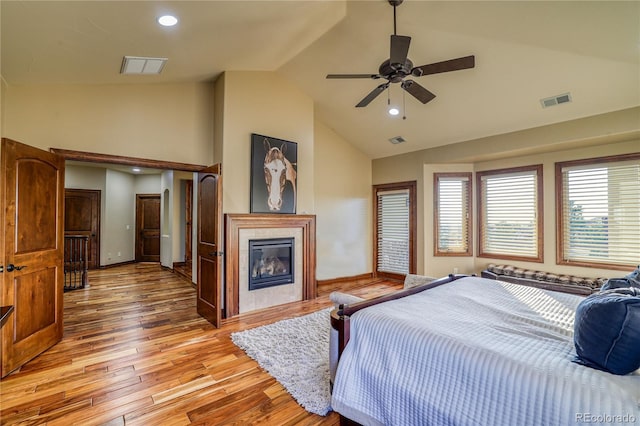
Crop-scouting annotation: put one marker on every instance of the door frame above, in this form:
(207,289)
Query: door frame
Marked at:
(108,159)
(188,221)
(92,157)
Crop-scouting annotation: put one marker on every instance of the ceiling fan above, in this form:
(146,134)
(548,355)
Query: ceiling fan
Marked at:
(398,67)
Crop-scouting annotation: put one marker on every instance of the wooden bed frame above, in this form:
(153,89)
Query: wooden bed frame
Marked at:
(340,316)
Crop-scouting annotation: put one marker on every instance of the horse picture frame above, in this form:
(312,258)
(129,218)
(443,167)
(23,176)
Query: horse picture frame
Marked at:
(274,170)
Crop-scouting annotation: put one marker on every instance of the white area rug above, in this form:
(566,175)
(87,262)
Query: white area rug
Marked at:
(296,353)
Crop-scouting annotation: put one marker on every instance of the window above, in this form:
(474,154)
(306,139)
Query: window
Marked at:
(395,224)
(598,212)
(452,214)
(510,213)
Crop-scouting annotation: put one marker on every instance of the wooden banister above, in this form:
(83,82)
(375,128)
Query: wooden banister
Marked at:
(76,250)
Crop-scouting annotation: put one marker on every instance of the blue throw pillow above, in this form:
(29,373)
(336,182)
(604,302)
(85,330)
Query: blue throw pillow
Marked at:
(607,330)
(630,280)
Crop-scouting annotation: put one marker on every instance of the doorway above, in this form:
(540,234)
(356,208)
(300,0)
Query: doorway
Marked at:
(82,217)
(394,222)
(185,267)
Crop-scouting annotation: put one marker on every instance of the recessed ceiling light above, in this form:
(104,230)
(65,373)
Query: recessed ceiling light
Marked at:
(394,111)
(167,20)
(136,170)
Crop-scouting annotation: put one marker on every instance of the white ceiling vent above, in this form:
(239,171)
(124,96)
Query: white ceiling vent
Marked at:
(397,139)
(142,65)
(556,100)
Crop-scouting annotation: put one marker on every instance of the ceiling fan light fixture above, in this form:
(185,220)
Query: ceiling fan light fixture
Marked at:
(399,66)
(394,111)
(167,20)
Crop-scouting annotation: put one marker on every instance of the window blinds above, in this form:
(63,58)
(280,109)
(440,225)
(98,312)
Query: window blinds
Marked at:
(393,231)
(601,213)
(453,213)
(509,225)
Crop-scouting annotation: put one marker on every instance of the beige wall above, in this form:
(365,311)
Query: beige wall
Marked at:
(119,227)
(263,103)
(600,129)
(170,122)
(82,177)
(343,206)
(147,184)
(218,118)
(606,134)
(166,219)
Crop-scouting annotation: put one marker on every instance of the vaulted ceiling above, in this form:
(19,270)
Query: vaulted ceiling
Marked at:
(524,51)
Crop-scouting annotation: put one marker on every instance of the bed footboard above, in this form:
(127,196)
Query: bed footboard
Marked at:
(340,316)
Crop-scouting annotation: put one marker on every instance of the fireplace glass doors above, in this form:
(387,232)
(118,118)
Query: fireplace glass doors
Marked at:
(271,262)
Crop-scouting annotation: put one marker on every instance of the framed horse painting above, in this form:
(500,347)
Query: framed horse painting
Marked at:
(273,175)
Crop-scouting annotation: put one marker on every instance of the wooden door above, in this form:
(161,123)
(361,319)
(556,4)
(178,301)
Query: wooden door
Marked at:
(188,215)
(32,243)
(148,227)
(209,282)
(82,217)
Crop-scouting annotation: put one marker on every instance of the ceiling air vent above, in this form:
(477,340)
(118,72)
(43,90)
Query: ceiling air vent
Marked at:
(397,139)
(556,100)
(142,65)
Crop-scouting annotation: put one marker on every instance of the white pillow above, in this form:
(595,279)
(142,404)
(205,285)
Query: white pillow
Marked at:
(412,280)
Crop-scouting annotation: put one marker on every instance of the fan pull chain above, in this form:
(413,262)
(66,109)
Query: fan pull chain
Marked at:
(404,115)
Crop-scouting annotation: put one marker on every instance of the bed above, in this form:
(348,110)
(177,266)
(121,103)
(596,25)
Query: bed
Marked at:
(471,351)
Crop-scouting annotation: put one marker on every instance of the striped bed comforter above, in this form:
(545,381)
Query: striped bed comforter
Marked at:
(476,352)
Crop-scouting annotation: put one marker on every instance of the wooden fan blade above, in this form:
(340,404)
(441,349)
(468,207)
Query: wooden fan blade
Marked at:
(418,92)
(399,50)
(372,76)
(371,96)
(445,66)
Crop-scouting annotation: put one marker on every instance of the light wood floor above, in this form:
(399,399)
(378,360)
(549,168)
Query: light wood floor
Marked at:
(136,352)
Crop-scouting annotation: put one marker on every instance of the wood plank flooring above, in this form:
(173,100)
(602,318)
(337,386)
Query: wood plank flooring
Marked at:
(136,352)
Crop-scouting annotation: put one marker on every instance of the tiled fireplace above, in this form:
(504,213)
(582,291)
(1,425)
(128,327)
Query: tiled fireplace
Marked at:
(270,261)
